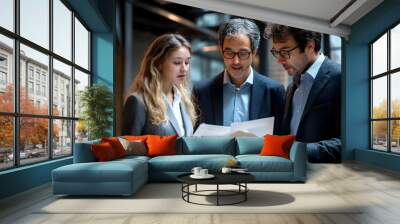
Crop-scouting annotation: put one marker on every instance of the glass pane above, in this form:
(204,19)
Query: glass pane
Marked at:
(395,95)
(335,41)
(62,89)
(395,47)
(336,56)
(379,98)
(81,45)
(395,132)
(379,55)
(35,21)
(62,141)
(7,14)
(81,81)
(6,74)
(34,81)
(62,29)
(6,142)
(379,135)
(81,131)
(33,139)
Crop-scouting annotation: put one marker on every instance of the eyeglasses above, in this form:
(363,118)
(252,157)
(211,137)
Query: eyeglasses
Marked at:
(285,54)
(243,55)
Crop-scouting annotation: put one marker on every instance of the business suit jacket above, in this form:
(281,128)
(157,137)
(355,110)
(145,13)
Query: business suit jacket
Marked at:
(266,100)
(136,120)
(320,120)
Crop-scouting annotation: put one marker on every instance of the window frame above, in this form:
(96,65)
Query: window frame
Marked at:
(388,74)
(16,115)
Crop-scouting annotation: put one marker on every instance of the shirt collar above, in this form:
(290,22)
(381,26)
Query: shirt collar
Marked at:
(248,80)
(314,68)
(177,95)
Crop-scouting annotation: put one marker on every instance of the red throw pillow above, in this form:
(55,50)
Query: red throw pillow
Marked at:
(103,151)
(161,145)
(275,145)
(116,145)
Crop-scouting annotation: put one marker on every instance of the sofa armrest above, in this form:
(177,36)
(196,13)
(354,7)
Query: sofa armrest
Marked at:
(298,156)
(83,152)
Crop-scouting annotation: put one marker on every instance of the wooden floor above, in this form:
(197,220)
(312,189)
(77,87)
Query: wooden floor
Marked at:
(377,188)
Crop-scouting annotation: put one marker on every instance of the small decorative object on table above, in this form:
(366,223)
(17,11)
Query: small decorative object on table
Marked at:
(231,163)
(230,166)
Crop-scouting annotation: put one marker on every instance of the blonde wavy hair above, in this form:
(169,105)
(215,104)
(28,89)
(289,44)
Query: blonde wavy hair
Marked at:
(148,80)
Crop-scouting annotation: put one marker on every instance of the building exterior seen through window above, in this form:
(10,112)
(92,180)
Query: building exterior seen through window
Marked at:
(44,112)
(385,92)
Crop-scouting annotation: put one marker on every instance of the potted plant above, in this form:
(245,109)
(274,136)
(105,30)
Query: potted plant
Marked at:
(96,102)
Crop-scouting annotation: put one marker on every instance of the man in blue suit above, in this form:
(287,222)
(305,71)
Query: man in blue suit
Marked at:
(239,93)
(312,103)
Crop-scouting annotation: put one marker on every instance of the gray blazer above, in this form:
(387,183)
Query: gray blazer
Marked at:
(136,121)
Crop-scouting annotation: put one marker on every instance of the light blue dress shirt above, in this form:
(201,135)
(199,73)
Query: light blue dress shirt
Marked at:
(301,94)
(236,100)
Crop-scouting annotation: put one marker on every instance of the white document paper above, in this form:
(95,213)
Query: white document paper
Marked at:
(212,130)
(259,127)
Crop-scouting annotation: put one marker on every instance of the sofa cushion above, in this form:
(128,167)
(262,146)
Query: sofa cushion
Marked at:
(115,171)
(103,152)
(185,163)
(277,145)
(134,147)
(129,159)
(111,171)
(135,137)
(118,177)
(116,145)
(257,163)
(206,145)
(161,145)
(249,145)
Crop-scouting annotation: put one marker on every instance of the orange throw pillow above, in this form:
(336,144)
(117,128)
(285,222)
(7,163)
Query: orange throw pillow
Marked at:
(116,145)
(161,145)
(103,151)
(136,137)
(275,145)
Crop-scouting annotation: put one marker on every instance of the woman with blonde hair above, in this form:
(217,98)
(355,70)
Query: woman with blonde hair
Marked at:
(160,102)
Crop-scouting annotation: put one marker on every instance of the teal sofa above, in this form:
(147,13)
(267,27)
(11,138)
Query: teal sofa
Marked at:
(125,176)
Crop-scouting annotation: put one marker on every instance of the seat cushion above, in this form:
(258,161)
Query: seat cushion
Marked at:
(111,171)
(257,163)
(184,163)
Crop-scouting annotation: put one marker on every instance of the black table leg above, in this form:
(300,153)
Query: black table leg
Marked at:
(217,194)
(245,193)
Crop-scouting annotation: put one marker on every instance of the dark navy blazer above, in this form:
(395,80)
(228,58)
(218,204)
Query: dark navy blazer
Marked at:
(266,100)
(320,120)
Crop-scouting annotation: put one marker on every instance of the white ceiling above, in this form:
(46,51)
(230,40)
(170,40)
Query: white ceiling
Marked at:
(326,16)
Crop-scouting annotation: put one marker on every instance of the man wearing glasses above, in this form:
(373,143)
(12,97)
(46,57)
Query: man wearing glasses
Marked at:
(239,93)
(312,103)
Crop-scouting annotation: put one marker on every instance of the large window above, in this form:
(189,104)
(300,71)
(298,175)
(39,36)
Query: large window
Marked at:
(44,64)
(385,91)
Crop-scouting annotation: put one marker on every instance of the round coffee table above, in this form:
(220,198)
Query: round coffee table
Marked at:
(238,179)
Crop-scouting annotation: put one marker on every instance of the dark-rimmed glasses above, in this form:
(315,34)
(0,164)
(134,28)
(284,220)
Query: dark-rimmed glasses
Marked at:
(285,54)
(243,55)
